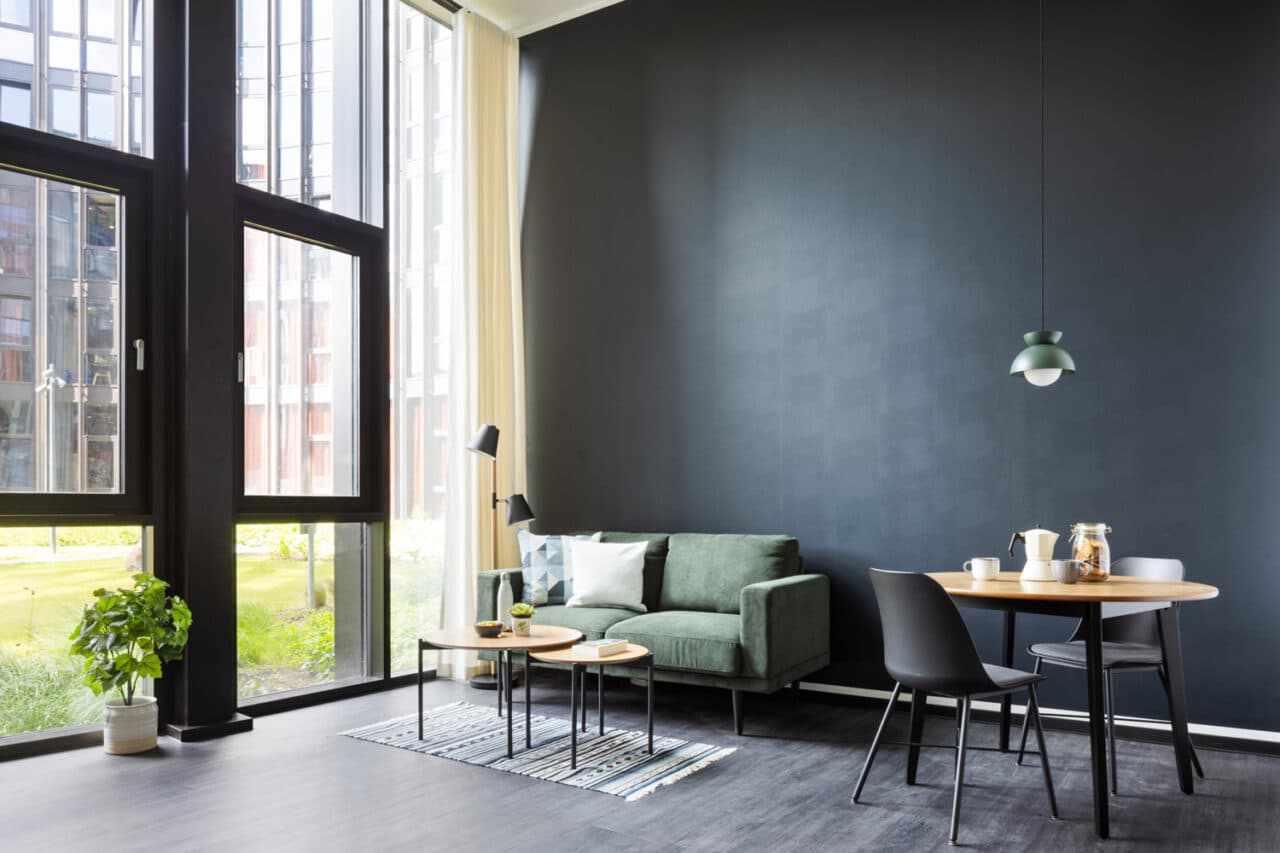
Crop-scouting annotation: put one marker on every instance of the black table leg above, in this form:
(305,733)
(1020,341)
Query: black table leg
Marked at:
(600,695)
(919,699)
(497,671)
(1006,660)
(1171,640)
(506,669)
(1097,717)
(528,714)
(419,689)
(573,716)
(649,716)
(582,688)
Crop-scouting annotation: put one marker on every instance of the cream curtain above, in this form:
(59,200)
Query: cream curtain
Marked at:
(487,332)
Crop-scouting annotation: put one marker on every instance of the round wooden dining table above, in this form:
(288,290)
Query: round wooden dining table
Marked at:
(1088,602)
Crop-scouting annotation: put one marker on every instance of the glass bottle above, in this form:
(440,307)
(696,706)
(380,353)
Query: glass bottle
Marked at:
(1089,545)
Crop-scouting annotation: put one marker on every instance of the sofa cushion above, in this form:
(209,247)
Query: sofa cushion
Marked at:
(708,571)
(591,621)
(654,557)
(683,639)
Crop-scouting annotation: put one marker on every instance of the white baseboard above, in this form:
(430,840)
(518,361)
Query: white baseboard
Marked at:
(1258,735)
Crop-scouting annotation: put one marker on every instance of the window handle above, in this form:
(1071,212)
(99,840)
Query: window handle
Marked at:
(139,354)
(240,367)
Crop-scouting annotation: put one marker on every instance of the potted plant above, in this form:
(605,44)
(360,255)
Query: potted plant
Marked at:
(521,618)
(127,635)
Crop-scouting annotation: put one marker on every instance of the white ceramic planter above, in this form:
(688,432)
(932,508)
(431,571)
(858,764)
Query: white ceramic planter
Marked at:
(130,728)
(520,625)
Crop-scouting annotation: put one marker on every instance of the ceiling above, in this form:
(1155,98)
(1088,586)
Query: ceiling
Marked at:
(521,17)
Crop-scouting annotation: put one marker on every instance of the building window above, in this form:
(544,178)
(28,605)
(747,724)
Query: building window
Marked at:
(61,335)
(312,291)
(422,281)
(49,576)
(93,71)
(300,611)
(305,83)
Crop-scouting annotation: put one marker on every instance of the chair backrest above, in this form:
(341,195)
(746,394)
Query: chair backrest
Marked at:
(1138,627)
(926,643)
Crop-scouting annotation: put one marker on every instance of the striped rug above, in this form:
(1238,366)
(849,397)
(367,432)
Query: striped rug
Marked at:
(616,762)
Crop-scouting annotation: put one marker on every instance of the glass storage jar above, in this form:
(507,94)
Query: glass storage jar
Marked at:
(1089,545)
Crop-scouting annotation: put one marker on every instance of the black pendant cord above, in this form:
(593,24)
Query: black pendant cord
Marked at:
(1042,183)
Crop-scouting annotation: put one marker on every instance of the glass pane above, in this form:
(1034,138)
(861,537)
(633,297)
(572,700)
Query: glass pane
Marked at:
(320,79)
(108,99)
(47,576)
(300,346)
(65,16)
(101,108)
(16,12)
(60,338)
(421,283)
(15,104)
(298,605)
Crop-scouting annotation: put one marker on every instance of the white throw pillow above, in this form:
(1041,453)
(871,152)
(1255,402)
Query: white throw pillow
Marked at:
(608,574)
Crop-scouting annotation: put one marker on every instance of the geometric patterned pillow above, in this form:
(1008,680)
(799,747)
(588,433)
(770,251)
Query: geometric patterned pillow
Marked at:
(546,563)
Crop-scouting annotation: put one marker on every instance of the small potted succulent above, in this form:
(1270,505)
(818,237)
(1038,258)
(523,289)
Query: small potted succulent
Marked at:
(521,618)
(127,635)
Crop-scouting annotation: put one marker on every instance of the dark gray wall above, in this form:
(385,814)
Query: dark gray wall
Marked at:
(779,256)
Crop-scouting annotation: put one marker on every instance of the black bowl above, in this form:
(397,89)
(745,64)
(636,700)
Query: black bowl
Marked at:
(489,631)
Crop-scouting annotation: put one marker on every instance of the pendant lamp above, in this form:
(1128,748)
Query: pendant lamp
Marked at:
(1043,361)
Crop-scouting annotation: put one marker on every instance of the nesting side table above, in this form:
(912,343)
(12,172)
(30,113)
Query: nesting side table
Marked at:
(578,664)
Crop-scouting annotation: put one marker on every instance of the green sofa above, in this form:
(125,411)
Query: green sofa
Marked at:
(724,610)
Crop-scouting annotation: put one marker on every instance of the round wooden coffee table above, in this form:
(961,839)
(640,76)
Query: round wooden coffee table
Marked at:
(578,664)
(541,637)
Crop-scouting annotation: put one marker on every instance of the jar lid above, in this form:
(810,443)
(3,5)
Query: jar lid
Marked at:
(1091,527)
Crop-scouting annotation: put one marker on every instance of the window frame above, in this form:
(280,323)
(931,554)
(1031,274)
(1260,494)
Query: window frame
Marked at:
(50,157)
(367,244)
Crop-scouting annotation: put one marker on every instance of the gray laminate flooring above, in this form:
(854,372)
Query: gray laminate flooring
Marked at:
(295,784)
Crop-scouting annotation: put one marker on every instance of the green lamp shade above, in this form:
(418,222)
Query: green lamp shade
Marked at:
(1043,361)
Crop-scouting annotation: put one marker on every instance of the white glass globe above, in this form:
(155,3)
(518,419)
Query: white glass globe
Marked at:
(1042,376)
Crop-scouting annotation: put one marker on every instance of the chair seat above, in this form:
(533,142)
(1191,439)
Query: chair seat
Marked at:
(1006,679)
(1113,654)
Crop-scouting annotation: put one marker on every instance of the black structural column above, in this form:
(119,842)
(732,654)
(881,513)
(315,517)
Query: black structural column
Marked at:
(207,398)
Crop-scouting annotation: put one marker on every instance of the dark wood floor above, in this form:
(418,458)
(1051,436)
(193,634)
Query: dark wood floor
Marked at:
(294,784)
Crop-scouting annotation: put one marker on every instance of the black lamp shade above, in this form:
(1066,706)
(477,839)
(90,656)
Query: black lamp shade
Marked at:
(518,510)
(486,441)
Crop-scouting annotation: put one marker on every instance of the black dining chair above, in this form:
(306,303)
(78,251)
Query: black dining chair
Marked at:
(927,648)
(1130,643)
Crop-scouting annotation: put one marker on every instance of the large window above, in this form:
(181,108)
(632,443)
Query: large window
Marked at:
(79,68)
(47,576)
(307,77)
(423,283)
(61,336)
(301,617)
(301,433)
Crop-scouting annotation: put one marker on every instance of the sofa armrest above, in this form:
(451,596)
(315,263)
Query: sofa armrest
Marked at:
(487,591)
(785,622)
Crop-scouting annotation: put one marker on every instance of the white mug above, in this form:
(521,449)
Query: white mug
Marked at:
(983,568)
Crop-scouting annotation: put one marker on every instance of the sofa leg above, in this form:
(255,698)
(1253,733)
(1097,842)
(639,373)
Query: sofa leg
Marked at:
(736,697)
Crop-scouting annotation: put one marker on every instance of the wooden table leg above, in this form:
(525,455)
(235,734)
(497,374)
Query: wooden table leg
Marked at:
(919,701)
(1171,641)
(1006,660)
(528,714)
(1097,717)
